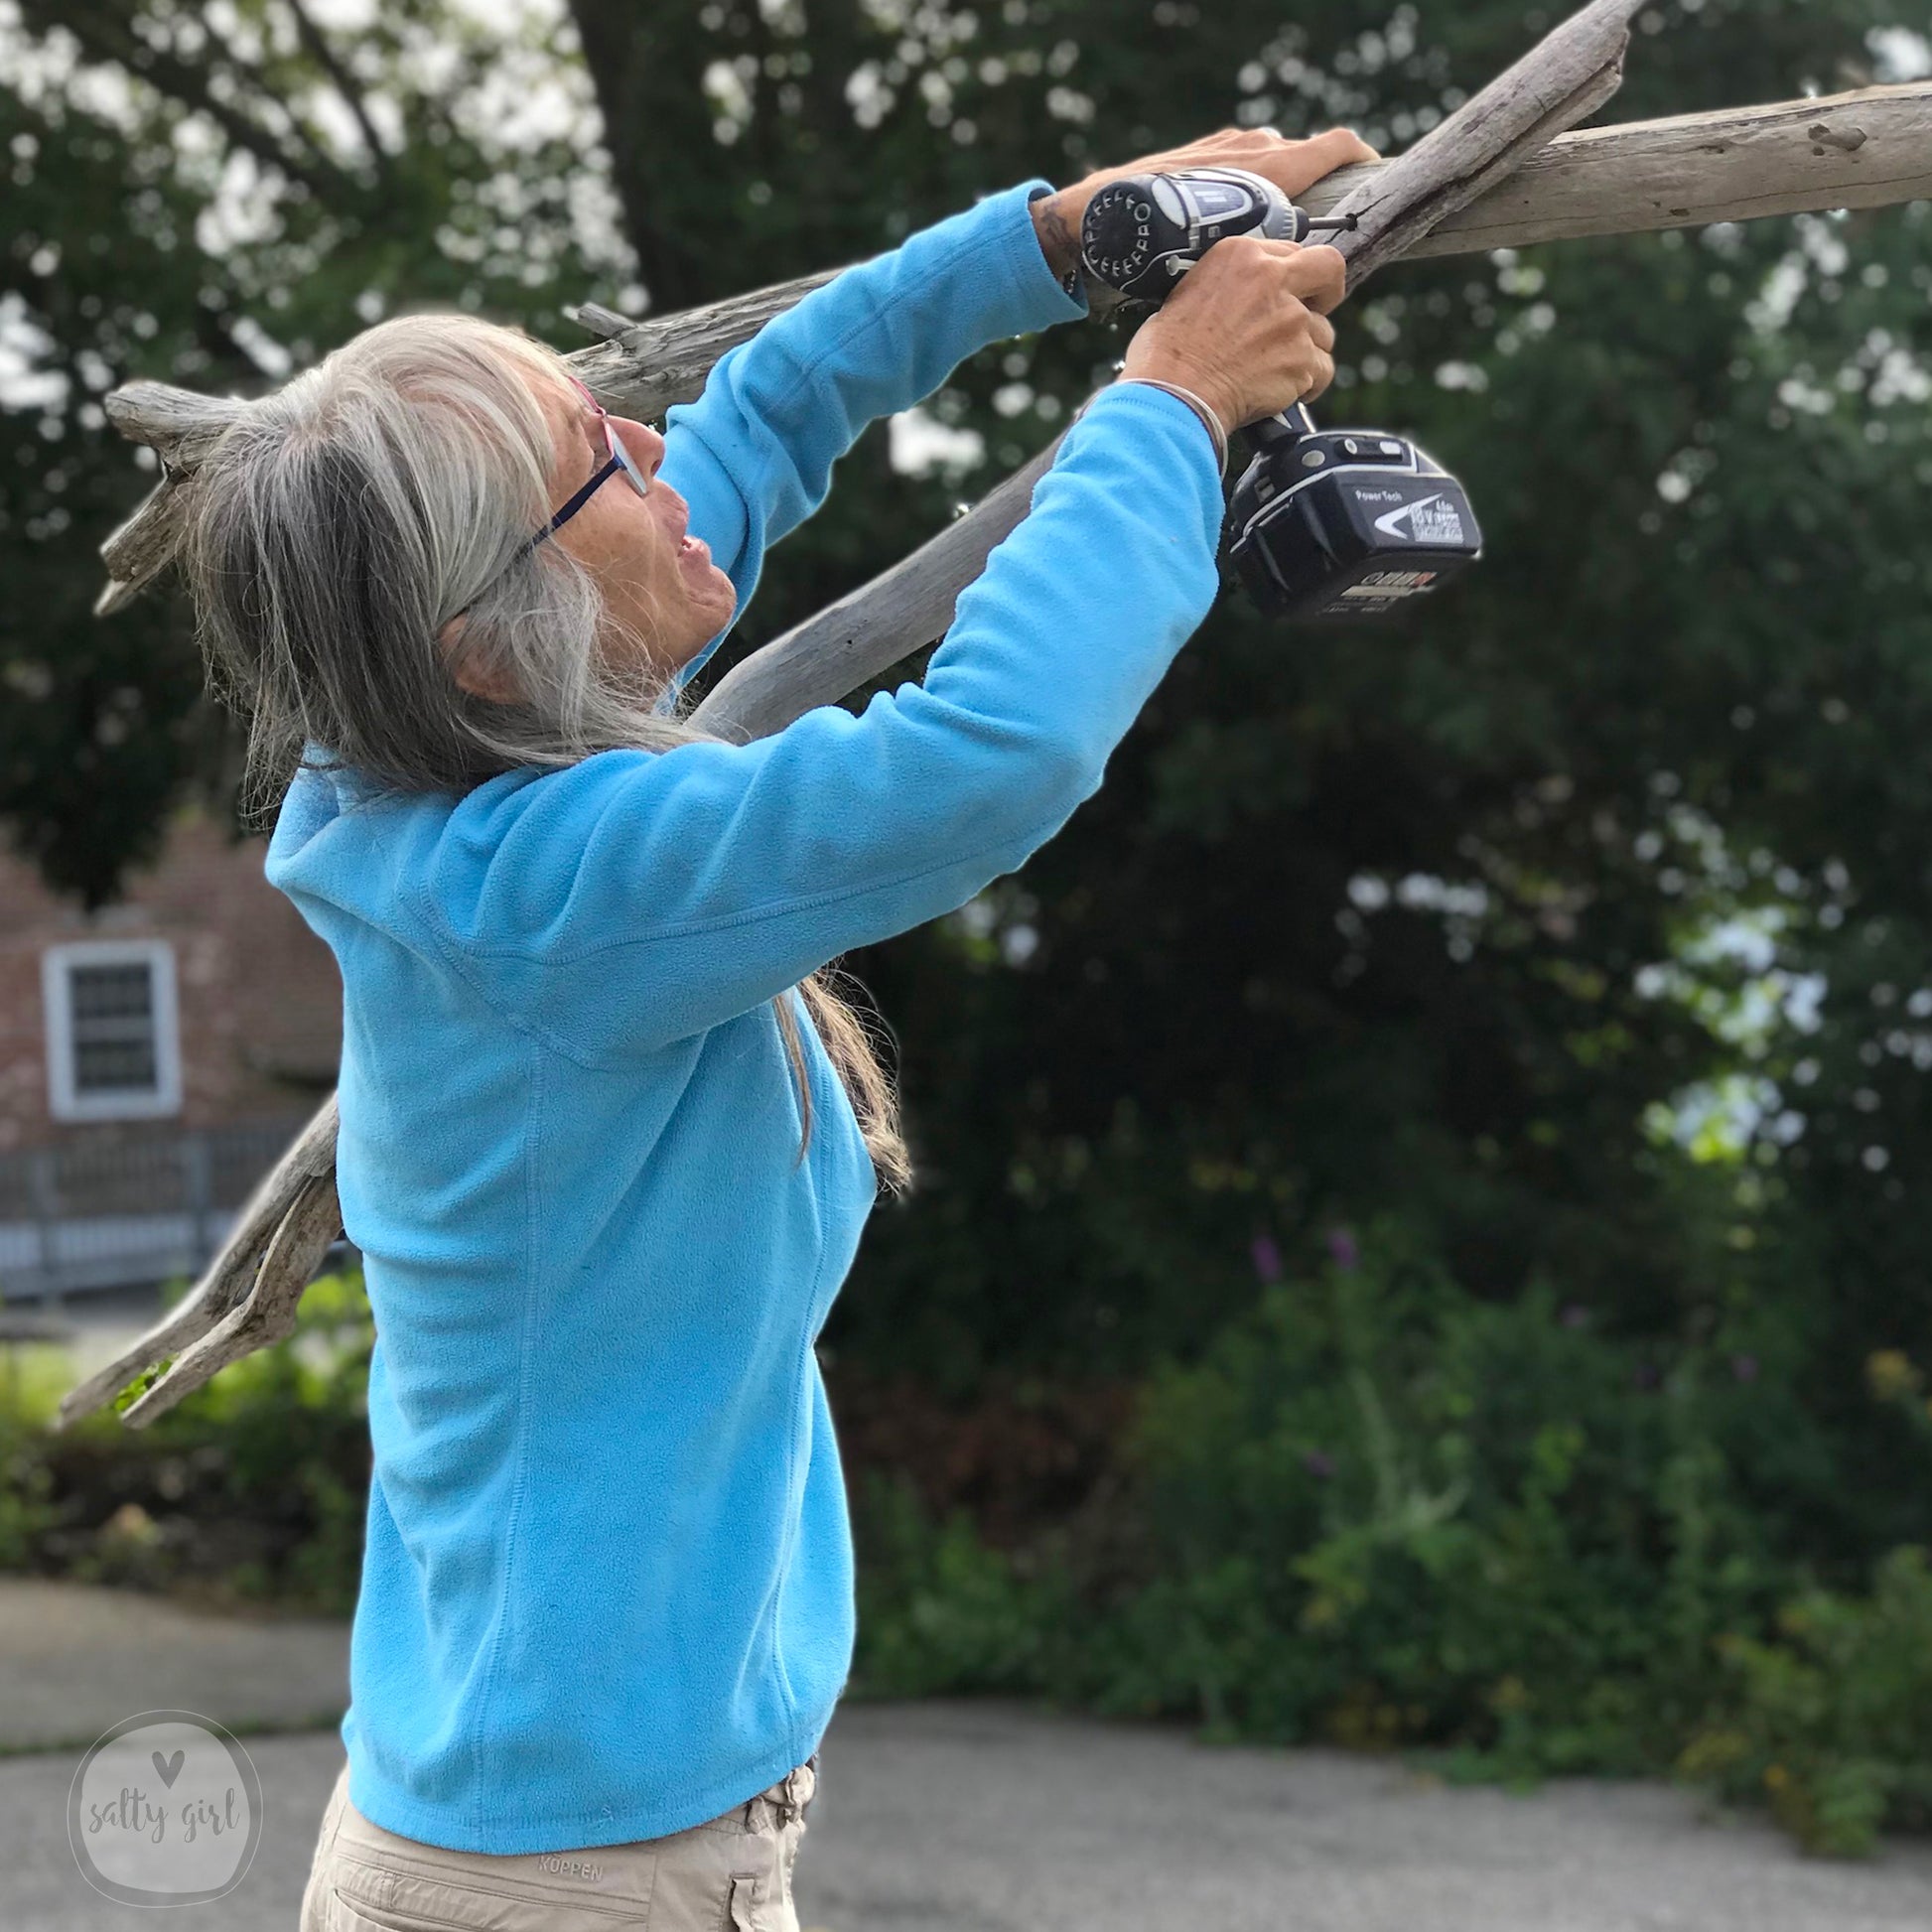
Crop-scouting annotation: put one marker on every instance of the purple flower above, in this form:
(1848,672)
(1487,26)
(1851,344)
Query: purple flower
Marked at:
(1319,1465)
(1744,1368)
(1342,1250)
(1267,1257)
(1574,1316)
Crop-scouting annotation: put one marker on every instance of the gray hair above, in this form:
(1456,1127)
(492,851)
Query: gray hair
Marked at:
(341,521)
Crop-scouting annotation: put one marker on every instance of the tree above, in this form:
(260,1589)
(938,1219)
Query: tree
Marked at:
(1575,920)
(218,196)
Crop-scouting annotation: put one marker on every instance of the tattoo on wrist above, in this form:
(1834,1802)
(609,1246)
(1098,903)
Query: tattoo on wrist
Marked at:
(1057,242)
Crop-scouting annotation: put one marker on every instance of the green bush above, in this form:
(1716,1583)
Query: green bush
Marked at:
(1377,1511)
(1831,1720)
(25,1510)
(938,1612)
(1383,1513)
(252,1487)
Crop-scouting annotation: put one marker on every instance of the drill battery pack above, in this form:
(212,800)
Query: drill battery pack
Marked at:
(1346,525)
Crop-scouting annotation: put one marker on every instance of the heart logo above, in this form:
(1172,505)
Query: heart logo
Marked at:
(169,1767)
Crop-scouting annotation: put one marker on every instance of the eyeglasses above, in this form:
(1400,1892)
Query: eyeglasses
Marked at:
(621,459)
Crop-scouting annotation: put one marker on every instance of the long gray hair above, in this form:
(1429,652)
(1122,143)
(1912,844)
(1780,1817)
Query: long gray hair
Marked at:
(342,520)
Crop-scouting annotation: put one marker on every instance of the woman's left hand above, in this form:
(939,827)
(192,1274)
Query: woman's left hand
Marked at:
(1293,166)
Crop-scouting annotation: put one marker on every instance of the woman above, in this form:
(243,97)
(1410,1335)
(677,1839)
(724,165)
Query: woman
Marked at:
(607,1137)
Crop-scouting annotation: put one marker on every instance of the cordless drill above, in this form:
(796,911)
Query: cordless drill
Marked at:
(1323,523)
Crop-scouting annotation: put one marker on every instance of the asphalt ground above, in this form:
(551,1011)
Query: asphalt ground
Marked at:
(958,1817)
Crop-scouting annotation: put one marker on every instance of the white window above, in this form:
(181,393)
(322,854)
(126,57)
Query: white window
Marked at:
(113,1035)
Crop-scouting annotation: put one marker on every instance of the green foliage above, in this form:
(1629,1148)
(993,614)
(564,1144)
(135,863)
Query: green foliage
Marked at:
(24,1485)
(938,1612)
(253,1487)
(1831,1719)
(1420,1517)
(33,1377)
(1383,1513)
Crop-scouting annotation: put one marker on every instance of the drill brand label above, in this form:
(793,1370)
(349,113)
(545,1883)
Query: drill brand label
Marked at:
(1429,519)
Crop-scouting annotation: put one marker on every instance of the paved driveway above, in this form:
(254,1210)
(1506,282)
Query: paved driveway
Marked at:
(978,1817)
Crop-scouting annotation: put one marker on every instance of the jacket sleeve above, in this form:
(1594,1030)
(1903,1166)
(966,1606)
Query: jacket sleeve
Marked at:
(754,455)
(638,897)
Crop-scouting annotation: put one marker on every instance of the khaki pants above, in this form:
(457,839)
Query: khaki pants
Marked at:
(733,1875)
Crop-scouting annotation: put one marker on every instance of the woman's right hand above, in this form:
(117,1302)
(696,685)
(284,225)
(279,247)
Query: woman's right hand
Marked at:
(1247,329)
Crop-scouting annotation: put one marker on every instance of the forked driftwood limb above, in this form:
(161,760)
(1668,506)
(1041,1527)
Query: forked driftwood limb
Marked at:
(247,1298)
(1869,149)
(1571,73)
(1872,148)
(1490,176)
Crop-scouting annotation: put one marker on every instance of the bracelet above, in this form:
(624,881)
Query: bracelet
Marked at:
(1209,421)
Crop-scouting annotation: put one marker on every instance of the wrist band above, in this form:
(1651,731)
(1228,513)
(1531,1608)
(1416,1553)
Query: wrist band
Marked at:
(1211,422)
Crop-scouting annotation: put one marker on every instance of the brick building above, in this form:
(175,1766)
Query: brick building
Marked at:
(155,1057)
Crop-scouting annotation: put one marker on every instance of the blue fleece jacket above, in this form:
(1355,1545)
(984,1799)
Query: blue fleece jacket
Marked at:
(607,1586)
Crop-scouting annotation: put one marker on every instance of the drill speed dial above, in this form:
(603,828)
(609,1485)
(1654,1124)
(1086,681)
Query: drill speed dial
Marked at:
(1143,232)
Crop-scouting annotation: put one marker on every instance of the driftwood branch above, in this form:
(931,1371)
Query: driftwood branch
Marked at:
(1868,149)
(1484,178)
(248,1297)
(871,628)
(1397,204)
(1563,79)
(1872,148)
(228,1316)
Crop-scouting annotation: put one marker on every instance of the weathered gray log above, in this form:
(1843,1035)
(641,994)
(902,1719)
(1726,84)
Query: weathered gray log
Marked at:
(179,427)
(1868,149)
(1562,80)
(1566,77)
(144,546)
(266,1313)
(643,367)
(871,628)
(1872,148)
